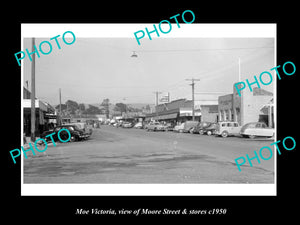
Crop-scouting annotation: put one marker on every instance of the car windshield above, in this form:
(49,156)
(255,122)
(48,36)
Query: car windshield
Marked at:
(251,125)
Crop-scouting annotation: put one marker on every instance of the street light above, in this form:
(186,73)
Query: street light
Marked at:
(134,54)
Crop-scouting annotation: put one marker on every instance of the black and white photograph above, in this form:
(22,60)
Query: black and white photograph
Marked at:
(149,111)
(177,109)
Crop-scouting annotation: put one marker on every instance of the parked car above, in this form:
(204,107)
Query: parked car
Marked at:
(127,125)
(256,129)
(199,127)
(76,133)
(226,129)
(169,127)
(210,129)
(138,125)
(83,126)
(155,126)
(185,127)
(179,127)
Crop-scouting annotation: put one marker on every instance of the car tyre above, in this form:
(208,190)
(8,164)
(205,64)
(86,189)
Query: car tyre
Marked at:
(209,133)
(73,139)
(180,131)
(252,136)
(224,134)
(201,132)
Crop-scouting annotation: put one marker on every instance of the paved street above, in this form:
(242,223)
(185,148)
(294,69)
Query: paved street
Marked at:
(120,155)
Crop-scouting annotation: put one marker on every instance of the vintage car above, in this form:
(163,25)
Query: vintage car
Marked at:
(199,127)
(138,125)
(210,129)
(155,126)
(256,129)
(127,125)
(76,134)
(226,129)
(169,127)
(186,126)
(84,127)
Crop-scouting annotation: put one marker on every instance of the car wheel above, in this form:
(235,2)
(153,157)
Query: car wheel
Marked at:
(201,132)
(224,134)
(209,133)
(72,139)
(252,136)
(180,131)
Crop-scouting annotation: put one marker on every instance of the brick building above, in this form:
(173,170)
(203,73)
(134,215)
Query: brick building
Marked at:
(247,107)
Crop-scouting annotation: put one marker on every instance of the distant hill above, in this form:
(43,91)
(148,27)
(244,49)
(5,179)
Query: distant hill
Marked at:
(112,106)
(133,105)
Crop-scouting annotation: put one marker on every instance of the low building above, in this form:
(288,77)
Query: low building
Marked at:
(45,115)
(209,113)
(179,110)
(245,108)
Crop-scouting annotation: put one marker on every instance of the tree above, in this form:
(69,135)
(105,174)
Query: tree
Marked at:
(81,107)
(121,107)
(148,107)
(92,110)
(72,106)
(105,103)
(63,107)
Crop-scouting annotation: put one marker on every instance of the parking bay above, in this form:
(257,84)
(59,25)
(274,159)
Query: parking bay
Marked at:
(128,155)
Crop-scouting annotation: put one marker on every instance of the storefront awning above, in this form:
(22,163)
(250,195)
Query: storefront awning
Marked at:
(50,116)
(166,117)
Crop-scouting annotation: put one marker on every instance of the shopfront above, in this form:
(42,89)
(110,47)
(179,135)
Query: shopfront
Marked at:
(173,112)
(247,107)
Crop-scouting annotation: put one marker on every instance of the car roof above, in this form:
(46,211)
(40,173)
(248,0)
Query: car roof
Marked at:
(254,123)
(66,125)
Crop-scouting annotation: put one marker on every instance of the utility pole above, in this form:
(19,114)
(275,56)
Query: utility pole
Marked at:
(60,116)
(193,93)
(33,93)
(156,101)
(156,97)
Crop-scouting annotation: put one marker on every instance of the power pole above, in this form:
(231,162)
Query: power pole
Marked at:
(156,97)
(193,93)
(33,93)
(60,116)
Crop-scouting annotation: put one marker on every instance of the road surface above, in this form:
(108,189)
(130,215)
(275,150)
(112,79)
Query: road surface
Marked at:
(128,155)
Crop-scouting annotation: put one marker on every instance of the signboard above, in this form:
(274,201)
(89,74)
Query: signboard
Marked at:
(165,98)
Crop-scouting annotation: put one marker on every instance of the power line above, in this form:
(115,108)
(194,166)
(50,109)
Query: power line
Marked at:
(204,49)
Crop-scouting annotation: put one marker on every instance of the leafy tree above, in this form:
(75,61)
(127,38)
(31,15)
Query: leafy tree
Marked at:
(81,107)
(92,110)
(148,107)
(106,104)
(63,107)
(121,107)
(72,106)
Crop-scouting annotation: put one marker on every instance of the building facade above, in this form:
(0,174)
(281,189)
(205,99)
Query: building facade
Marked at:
(45,115)
(247,107)
(179,110)
(209,113)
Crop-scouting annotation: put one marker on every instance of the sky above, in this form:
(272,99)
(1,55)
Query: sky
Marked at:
(93,69)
